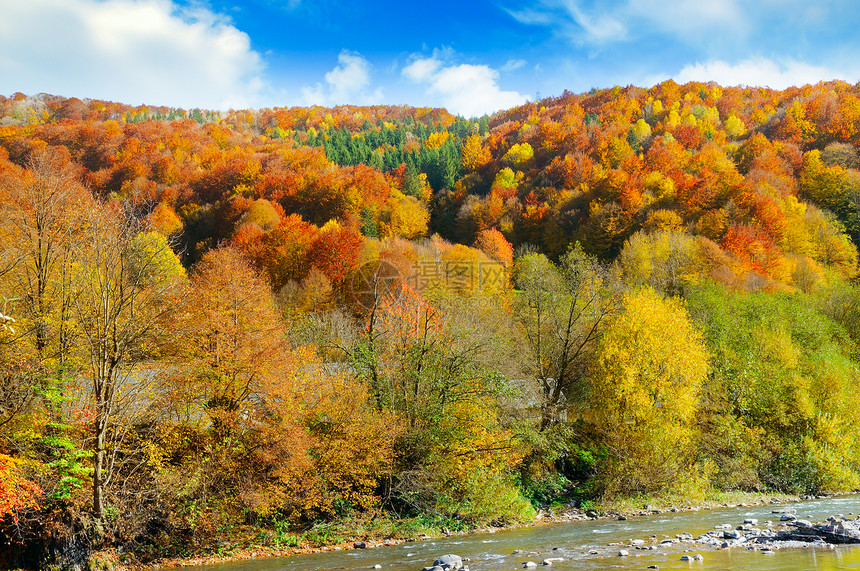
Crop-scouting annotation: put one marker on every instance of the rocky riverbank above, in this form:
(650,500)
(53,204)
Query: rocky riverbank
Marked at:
(784,531)
(753,534)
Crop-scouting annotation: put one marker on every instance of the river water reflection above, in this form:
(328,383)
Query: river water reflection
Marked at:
(573,541)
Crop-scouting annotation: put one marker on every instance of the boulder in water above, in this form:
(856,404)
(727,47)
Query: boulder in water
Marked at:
(449,562)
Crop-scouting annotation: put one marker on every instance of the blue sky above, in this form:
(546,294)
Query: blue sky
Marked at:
(472,57)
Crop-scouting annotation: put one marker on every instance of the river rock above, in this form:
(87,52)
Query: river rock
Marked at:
(623,553)
(529,565)
(787,517)
(622,518)
(449,562)
(591,513)
(359,545)
(732,534)
(637,542)
(751,521)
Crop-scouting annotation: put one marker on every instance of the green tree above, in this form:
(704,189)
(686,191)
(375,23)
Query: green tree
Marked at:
(561,311)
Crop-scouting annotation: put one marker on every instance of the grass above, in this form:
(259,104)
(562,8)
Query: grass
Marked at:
(708,499)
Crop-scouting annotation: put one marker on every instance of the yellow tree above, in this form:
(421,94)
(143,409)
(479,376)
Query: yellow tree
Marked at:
(41,210)
(644,383)
(123,311)
(474,154)
(407,217)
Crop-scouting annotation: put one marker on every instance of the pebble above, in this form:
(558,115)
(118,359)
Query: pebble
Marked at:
(529,565)
(623,553)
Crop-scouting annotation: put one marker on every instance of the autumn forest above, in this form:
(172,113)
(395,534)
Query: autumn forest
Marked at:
(261,325)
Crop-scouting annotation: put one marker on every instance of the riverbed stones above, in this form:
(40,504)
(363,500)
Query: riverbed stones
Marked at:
(623,553)
(751,521)
(359,545)
(449,562)
(591,513)
(529,565)
(787,517)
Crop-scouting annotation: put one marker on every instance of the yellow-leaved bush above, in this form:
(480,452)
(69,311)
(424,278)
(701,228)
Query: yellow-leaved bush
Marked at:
(644,383)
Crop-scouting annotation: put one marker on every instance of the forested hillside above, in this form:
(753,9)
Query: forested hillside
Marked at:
(258,324)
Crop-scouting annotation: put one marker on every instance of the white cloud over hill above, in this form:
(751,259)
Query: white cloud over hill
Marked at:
(133,51)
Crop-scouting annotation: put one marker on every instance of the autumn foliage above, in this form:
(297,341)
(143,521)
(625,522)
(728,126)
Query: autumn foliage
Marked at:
(263,323)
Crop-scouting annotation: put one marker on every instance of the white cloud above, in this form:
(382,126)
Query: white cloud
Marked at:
(346,83)
(422,70)
(469,90)
(759,72)
(689,19)
(611,21)
(132,51)
(569,19)
(514,64)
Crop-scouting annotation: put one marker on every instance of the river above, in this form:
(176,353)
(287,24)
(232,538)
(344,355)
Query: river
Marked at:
(573,541)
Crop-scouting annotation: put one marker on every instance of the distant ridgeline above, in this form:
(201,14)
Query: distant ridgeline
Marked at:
(757,173)
(255,321)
